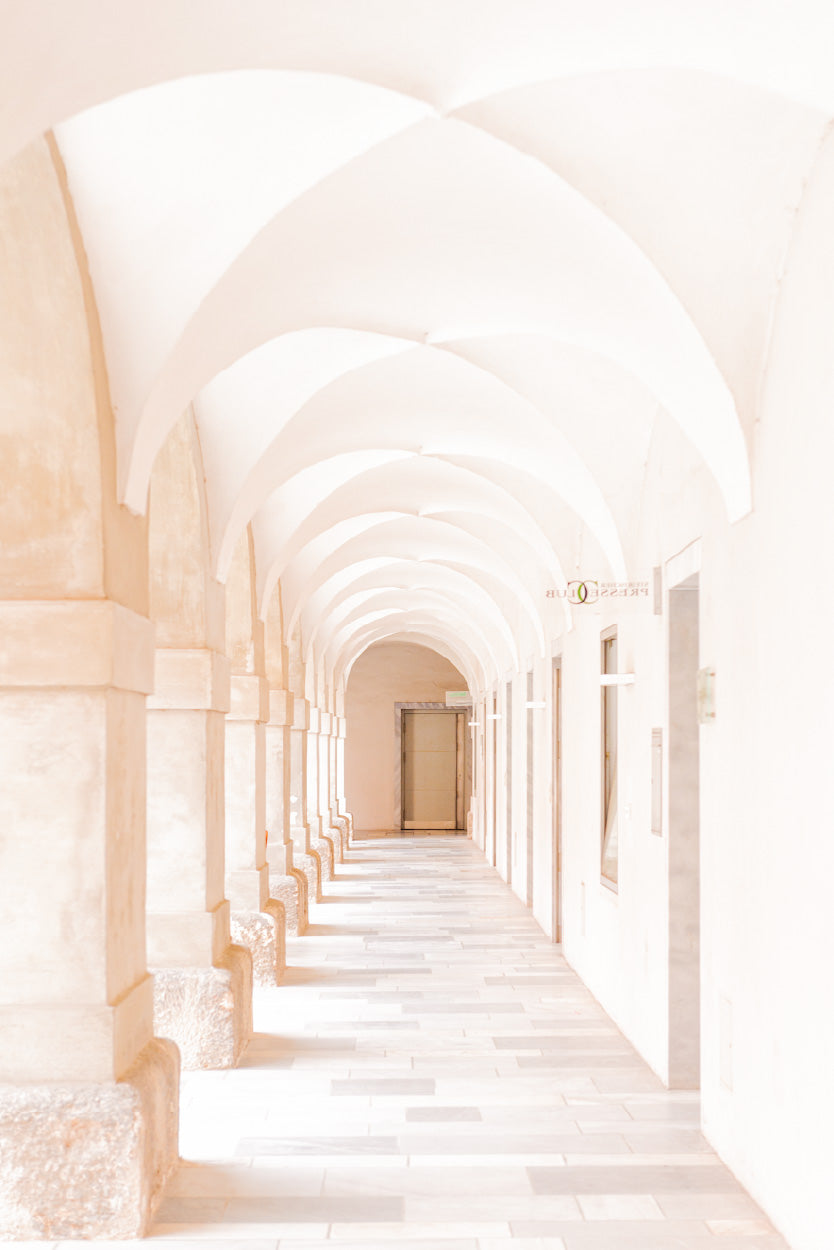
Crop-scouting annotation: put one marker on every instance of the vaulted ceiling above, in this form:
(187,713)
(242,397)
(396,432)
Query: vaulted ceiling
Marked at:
(433,275)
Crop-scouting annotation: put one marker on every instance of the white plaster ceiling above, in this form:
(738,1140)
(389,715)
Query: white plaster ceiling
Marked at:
(431,274)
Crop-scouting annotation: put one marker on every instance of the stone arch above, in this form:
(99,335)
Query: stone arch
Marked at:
(77,663)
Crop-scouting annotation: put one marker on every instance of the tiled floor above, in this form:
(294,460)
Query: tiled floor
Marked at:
(432,1073)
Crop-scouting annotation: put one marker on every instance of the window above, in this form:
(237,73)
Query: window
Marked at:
(609,858)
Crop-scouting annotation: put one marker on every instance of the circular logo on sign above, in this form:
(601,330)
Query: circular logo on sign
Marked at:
(583,592)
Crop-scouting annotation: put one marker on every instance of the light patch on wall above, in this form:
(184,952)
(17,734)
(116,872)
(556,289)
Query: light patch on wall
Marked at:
(725,1043)
(706,695)
(657,781)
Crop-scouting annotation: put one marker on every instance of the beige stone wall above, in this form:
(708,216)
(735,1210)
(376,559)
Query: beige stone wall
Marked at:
(385,674)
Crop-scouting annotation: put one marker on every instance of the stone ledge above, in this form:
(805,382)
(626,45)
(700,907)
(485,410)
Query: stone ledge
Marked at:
(190,679)
(248,698)
(89,1160)
(281,708)
(89,643)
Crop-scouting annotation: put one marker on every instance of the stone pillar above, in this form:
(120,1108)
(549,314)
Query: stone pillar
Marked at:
(332,804)
(257,920)
(287,883)
(317,817)
(303,854)
(341,800)
(329,834)
(312,772)
(203,984)
(88,1097)
(338,825)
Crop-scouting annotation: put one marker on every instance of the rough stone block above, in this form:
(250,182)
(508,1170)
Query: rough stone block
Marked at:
(89,1160)
(338,831)
(288,889)
(303,900)
(206,1011)
(310,864)
(324,846)
(263,934)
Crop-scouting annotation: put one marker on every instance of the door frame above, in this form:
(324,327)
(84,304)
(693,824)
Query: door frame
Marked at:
(400,710)
(682,819)
(556,793)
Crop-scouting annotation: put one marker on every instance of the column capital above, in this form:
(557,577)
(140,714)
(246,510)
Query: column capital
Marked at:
(191,679)
(314,722)
(325,722)
(249,697)
(281,708)
(301,713)
(87,643)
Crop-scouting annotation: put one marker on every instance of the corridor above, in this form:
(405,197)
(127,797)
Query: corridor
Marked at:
(431,1073)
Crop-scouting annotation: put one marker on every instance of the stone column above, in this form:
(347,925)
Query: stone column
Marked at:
(312,754)
(257,920)
(303,855)
(316,818)
(329,834)
(341,800)
(287,883)
(203,984)
(338,825)
(88,1097)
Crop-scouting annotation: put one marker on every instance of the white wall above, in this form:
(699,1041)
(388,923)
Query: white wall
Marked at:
(767,799)
(767,796)
(387,673)
(767,845)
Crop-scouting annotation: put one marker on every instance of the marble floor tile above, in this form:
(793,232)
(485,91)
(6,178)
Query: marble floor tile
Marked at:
(316,1146)
(471,1179)
(645,1179)
(228,1181)
(442,1243)
(443,1113)
(399,1234)
(713,1206)
(739,1228)
(382,1085)
(431,1074)
(490,1206)
(361,1209)
(619,1207)
(521,1243)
